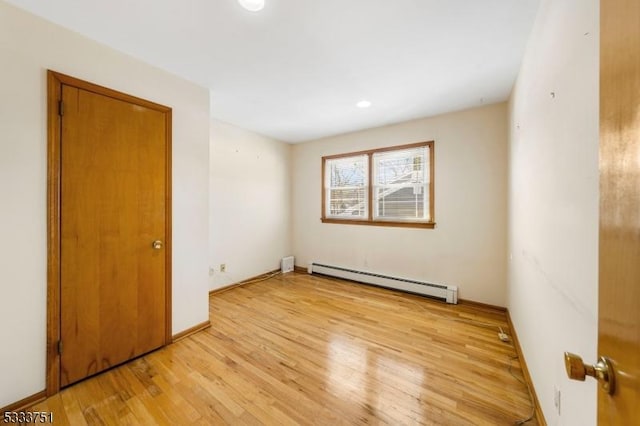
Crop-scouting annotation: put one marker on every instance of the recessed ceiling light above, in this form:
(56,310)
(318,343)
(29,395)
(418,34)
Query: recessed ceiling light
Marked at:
(363,104)
(252,5)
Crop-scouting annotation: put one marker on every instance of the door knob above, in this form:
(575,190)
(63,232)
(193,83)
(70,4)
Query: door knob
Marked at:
(602,371)
(157,244)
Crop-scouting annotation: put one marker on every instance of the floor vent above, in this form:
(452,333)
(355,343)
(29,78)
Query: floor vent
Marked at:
(446,293)
(286,264)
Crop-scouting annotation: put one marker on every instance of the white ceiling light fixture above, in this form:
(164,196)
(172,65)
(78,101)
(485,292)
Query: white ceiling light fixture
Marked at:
(252,5)
(363,104)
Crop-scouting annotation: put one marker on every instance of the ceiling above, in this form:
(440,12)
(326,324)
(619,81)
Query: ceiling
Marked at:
(295,70)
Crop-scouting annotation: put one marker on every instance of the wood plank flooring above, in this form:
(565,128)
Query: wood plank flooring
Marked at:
(301,349)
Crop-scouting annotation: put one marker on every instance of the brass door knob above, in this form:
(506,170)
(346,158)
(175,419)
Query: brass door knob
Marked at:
(602,371)
(157,244)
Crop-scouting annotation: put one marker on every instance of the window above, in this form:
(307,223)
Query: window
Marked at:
(385,187)
(347,187)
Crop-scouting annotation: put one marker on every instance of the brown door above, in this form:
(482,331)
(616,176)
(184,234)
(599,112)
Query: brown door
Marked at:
(618,369)
(619,295)
(618,366)
(113,230)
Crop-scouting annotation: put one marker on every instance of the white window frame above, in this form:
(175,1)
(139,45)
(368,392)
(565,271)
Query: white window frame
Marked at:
(418,182)
(361,205)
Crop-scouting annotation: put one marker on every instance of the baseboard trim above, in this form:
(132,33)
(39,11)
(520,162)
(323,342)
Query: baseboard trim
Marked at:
(241,283)
(300,269)
(25,402)
(525,372)
(482,305)
(192,330)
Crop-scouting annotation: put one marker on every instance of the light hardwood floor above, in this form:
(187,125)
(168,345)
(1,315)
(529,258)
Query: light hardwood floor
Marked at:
(301,349)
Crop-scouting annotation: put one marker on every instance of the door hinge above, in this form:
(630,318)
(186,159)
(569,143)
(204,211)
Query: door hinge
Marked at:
(59,347)
(60,108)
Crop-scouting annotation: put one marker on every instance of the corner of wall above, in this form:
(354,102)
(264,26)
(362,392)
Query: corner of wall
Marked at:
(250,204)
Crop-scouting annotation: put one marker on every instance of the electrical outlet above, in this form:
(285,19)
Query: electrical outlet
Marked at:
(223,267)
(557,398)
(211,271)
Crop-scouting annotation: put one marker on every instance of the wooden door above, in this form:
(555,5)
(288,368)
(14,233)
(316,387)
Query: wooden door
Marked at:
(619,295)
(113,227)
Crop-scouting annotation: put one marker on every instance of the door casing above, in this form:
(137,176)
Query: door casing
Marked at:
(55,81)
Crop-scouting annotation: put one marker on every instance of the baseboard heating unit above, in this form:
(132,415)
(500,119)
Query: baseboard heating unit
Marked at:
(446,293)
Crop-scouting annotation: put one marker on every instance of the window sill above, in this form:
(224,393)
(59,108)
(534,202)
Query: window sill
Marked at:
(423,225)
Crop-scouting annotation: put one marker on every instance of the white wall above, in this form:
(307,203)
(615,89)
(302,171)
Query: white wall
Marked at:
(468,246)
(28,47)
(250,203)
(553,207)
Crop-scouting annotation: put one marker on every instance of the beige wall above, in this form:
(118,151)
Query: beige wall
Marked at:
(468,246)
(553,207)
(250,212)
(28,47)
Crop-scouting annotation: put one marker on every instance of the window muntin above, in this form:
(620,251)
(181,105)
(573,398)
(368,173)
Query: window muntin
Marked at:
(386,187)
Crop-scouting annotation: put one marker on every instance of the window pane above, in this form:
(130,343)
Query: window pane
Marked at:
(346,187)
(348,202)
(401,187)
(350,171)
(401,202)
